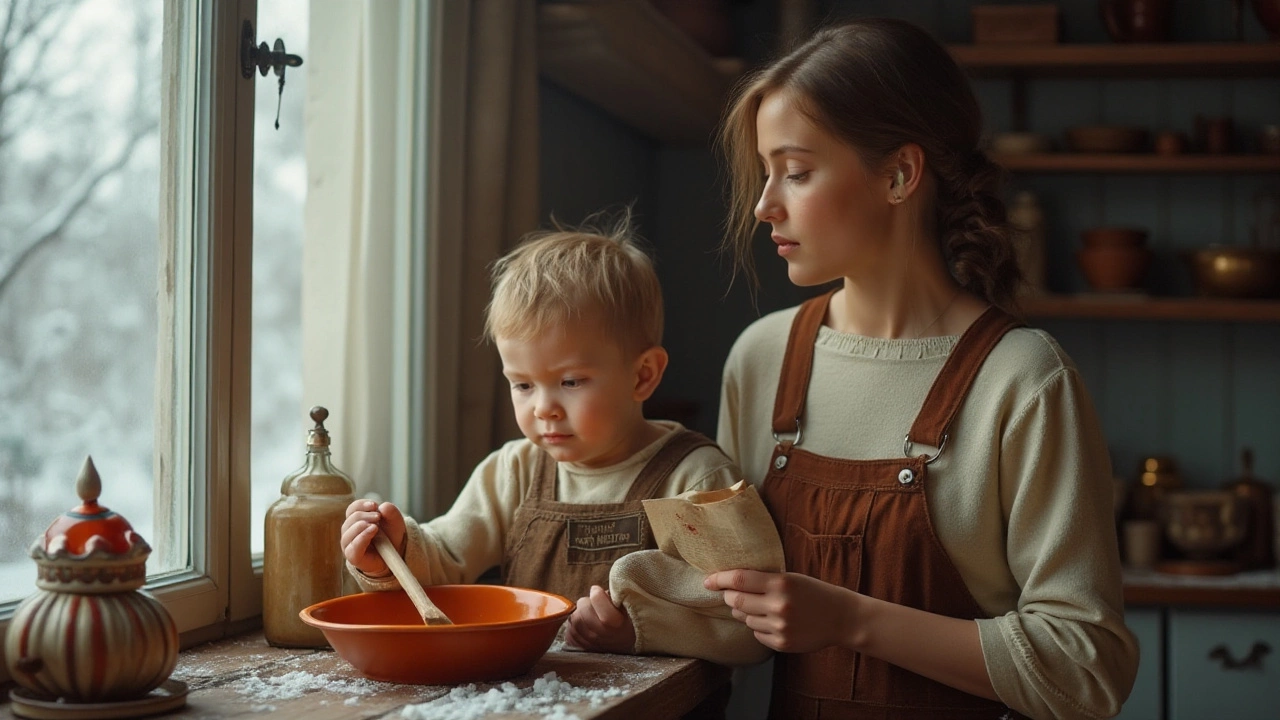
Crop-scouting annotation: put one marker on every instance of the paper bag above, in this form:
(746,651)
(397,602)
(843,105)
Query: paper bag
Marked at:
(717,529)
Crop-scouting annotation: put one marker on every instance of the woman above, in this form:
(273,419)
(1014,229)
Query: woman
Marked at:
(936,471)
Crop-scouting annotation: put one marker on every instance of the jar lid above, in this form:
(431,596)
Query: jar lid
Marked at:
(89,529)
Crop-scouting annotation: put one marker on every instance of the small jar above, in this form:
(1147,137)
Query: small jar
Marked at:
(90,634)
(302,561)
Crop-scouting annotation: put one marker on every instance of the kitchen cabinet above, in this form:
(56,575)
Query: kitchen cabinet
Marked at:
(1210,646)
(1146,700)
(1223,664)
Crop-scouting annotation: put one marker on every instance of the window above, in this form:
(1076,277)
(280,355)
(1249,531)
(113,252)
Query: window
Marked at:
(124,213)
(151,234)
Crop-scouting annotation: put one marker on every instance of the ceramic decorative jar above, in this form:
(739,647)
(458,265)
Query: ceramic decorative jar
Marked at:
(90,634)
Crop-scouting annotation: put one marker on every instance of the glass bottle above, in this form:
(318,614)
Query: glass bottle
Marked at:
(1256,551)
(302,563)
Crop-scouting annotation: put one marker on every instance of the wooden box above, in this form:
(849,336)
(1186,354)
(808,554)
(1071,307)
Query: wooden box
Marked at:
(1015,24)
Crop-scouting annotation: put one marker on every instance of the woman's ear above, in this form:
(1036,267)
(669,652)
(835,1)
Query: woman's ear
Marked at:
(650,366)
(906,168)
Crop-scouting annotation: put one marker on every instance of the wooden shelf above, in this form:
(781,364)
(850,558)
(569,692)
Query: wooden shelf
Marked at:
(1137,307)
(1138,163)
(1226,59)
(628,59)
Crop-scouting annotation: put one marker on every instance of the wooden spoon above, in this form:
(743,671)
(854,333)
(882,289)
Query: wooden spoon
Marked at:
(431,614)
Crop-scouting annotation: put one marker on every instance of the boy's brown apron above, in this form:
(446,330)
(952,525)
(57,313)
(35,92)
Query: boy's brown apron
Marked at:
(864,525)
(565,548)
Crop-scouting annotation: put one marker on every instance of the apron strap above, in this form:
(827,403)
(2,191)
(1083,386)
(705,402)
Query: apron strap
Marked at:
(949,389)
(797,364)
(663,462)
(544,478)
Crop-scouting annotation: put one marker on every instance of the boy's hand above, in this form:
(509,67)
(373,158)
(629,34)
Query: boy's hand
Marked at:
(364,518)
(598,625)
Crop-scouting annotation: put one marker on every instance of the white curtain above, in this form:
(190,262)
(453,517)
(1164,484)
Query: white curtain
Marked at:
(422,170)
(356,224)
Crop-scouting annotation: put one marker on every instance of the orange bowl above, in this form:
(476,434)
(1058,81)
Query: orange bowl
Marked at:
(498,632)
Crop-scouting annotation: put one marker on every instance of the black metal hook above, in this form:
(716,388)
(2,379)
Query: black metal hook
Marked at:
(262,56)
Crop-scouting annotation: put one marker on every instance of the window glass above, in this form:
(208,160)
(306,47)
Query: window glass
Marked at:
(79,246)
(280,420)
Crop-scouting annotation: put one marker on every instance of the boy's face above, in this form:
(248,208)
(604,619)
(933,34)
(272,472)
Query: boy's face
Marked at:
(577,395)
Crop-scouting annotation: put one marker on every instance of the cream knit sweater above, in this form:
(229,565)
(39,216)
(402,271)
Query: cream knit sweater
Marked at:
(1021,498)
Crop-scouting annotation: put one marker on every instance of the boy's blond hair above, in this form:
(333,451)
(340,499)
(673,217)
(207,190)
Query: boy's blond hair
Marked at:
(555,277)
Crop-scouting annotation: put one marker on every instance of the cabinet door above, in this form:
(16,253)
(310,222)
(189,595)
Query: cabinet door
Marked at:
(1147,699)
(1224,665)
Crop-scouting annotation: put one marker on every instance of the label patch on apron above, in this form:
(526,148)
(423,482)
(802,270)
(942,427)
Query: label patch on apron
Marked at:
(607,533)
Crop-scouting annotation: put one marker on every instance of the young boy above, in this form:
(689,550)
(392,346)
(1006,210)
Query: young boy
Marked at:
(577,320)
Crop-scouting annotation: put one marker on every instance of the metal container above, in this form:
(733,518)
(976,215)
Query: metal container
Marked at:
(1236,271)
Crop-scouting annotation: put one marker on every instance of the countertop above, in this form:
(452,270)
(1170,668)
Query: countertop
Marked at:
(244,677)
(1255,589)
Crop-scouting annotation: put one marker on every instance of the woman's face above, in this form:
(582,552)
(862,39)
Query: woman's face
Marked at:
(829,213)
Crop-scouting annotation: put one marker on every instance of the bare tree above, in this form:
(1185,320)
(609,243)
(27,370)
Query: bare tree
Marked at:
(29,31)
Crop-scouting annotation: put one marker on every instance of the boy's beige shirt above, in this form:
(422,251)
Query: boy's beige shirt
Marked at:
(470,538)
(1021,497)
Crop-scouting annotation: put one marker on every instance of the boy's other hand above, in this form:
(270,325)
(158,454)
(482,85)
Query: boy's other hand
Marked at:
(598,625)
(364,519)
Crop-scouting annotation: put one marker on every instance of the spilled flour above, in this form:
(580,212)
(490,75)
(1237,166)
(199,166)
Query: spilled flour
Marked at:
(547,697)
(296,684)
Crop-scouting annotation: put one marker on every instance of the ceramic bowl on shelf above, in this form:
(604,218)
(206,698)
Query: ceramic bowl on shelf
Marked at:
(1114,268)
(1235,271)
(1106,138)
(498,632)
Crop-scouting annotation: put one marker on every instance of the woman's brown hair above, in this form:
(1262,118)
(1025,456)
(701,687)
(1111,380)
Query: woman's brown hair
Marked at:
(878,84)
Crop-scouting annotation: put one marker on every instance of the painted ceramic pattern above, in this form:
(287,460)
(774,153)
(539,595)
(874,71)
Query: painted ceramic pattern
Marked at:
(91,648)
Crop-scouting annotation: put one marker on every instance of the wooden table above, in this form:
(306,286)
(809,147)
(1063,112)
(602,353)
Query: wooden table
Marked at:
(244,677)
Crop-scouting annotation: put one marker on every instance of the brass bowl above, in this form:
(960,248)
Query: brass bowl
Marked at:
(1203,523)
(1236,272)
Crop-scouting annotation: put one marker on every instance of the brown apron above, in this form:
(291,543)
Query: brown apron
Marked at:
(864,525)
(565,548)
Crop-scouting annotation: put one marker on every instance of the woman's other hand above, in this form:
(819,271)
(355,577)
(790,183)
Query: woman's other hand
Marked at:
(598,625)
(364,518)
(789,612)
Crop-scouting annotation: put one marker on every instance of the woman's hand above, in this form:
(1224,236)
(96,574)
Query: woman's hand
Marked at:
(600,626)
(364,518)
(790,612)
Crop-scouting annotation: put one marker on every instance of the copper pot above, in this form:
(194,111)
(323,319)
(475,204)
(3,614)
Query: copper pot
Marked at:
(1238,272)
